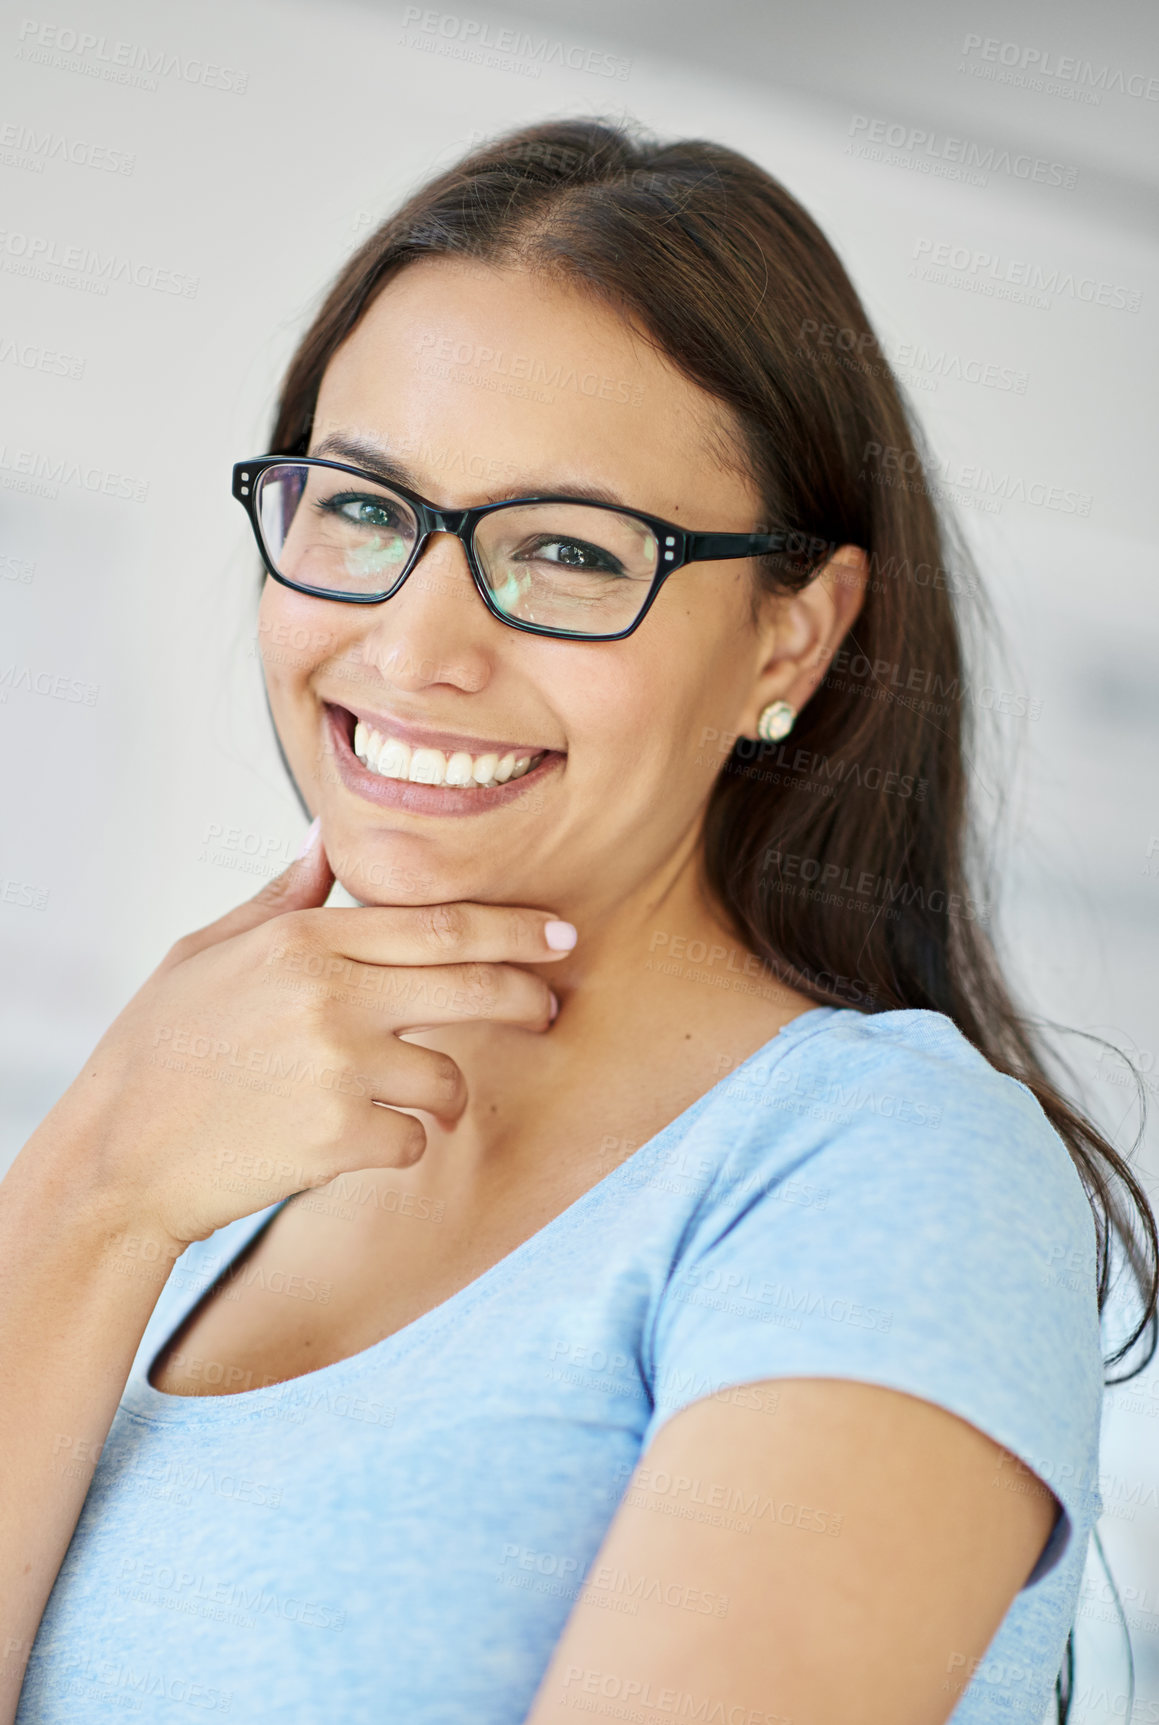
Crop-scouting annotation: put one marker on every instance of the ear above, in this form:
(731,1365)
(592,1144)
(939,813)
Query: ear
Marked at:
(800,632)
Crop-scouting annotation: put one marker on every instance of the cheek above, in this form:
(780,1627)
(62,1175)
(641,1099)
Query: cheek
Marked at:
(634,710)
(295,634)
(608,699)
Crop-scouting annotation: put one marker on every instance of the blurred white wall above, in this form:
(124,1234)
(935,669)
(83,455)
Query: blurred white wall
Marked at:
(229,156)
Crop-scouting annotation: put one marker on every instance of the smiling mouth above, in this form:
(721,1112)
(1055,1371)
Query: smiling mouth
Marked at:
(390,757)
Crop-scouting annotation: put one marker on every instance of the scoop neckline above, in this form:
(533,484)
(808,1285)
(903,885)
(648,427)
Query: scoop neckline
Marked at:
(141,1399)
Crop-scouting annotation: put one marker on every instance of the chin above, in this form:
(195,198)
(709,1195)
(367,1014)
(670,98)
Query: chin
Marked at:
(370,879)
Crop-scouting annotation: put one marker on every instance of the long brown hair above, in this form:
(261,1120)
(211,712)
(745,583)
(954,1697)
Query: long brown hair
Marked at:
(846,857)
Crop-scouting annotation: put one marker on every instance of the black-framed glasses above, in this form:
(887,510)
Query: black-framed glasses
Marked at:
(549,565)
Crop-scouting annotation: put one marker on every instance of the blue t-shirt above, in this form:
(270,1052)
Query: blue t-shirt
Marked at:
(402,1535)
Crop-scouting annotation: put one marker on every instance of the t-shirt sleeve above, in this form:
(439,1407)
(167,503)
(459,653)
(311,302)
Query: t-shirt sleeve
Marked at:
(890,1209)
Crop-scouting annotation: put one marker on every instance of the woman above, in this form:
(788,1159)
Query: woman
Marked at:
(635,1263)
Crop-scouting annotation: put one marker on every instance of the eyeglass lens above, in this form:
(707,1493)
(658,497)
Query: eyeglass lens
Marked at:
(559,565)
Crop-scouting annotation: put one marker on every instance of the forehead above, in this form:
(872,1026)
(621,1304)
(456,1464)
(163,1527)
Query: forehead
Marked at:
(473,373)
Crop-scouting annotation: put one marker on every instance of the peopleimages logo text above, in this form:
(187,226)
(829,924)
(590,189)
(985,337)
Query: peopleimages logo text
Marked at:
(40,254)
(477,33)
(48,43)
(24,146)
(966,152)
(1066,67)
(984,267)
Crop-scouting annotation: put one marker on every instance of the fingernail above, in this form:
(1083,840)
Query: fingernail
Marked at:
(311,835)
(554,1006)
(562,936)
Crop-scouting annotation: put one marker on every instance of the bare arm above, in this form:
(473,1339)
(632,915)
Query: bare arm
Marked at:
(78,1285)
(869,1564)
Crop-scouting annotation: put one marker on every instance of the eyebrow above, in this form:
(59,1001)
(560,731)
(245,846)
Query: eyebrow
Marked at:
(361,452)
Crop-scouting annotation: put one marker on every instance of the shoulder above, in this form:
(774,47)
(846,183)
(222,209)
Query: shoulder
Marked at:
(923,1054)
(889,1208)
(901,1102)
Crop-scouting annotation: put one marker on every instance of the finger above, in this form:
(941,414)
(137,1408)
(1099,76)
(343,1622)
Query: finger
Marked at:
(439,934)
(304,885)
(399,998)
(409,1076)
(383,1137)
(425,997)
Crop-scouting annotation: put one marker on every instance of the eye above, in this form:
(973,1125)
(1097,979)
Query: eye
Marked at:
(360,510)
(575,554)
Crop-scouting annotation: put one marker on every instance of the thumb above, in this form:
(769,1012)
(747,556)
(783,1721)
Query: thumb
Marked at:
(304,885)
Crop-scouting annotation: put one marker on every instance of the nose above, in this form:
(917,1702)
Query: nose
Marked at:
(448,528)
(436,628)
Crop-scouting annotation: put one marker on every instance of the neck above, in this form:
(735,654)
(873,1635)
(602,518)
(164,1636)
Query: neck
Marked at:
(659,999)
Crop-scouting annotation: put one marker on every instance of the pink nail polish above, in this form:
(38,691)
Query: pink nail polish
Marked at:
(554,1006)
(311,835)
(561,936)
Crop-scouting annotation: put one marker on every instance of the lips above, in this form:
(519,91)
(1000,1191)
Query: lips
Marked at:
(421,770)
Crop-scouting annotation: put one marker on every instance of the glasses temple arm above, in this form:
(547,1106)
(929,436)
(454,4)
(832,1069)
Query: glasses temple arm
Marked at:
(711,547)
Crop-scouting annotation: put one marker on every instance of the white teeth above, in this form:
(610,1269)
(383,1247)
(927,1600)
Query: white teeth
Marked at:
(392,759)
(427,767)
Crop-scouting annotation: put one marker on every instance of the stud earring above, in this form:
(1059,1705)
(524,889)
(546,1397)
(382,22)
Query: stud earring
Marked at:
(776,721)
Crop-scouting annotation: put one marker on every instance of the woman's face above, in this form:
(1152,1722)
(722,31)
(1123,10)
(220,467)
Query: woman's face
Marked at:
(632,728)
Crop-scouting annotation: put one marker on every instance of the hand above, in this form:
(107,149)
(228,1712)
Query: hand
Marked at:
(263,1058)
